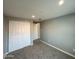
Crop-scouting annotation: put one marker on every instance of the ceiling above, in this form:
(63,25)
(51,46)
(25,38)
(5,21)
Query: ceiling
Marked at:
(44,9)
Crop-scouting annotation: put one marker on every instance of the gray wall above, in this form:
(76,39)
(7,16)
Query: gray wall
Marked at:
(60,32)
(5,34)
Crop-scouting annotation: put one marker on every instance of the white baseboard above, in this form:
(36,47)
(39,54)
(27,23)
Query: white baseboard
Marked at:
(5,54)
(58,48)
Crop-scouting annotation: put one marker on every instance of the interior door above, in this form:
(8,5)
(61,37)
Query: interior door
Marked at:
(19,35)
(36,31)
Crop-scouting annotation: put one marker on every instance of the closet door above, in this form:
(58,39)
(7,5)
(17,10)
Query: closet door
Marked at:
(36,31)
(19,35)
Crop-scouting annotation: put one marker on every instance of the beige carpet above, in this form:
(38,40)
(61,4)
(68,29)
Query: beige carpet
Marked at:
(38,51)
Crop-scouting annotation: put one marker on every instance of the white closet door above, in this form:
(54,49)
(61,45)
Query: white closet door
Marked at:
(19,35)
(36,31)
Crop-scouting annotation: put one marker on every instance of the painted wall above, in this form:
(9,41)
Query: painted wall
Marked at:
(5,34)
(60,32)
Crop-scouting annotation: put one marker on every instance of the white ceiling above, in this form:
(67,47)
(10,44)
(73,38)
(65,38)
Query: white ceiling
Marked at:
(45,9)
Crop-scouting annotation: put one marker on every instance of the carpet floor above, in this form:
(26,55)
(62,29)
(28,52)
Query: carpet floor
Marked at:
(38,51)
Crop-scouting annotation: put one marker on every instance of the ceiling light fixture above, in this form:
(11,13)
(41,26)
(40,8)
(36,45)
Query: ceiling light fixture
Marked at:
(33,16)
(61,2)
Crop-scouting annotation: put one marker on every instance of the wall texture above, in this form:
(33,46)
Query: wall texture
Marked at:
(60,32)
(5,34)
